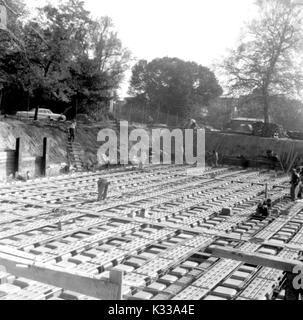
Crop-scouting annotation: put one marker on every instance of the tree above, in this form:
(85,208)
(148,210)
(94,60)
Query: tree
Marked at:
(65,59)
(9,39)
(173,85)
(267,61)
(102,67)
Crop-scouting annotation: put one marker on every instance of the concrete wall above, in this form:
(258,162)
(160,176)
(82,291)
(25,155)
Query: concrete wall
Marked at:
(32,135)
(7,163)
(249,146)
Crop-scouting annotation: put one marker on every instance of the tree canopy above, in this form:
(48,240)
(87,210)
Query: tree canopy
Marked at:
(267,61)
(60,58)
(173,85)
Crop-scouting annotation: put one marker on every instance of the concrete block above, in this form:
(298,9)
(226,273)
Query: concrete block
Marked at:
(168,279)
(268,251)
(69,295)
(240,275)
(214,298)
(161,297)
(148,255)
(190,264)
(78,259)
(186,280)
(157,286)
(135,262)
(233,283)
(179,272)
(124,268)
(248,269)
(225,292)
(143,295)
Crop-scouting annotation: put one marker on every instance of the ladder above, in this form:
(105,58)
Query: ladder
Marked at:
(74,151)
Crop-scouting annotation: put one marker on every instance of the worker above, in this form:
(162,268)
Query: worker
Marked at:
(150,120)
(215,158)
(269,203)
(295,185)
(102,189)
(264,208)
(143,160)
(72,130)
(22,177)
(261,209)
(193,124)
(300,193)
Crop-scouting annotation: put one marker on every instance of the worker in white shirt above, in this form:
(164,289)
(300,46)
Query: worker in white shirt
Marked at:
(72,130)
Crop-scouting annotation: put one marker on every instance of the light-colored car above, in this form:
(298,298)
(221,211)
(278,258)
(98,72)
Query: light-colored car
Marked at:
(42,114)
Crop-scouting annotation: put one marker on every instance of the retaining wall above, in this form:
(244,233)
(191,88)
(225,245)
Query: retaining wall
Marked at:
(32,144)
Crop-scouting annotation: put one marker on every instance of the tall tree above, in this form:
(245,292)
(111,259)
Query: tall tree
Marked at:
(10,45)
(173,85)
(267,61)
(66,58)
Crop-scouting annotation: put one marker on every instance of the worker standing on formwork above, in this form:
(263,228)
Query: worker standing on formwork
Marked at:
(193,124)
(72,130)
(215,159)
(300,194)
(295,185)
(102,189)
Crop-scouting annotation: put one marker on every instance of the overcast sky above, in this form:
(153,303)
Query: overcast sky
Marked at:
(195,30)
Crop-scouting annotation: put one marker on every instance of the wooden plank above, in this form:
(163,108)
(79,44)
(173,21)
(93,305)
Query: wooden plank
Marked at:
(54,276)
(256,259)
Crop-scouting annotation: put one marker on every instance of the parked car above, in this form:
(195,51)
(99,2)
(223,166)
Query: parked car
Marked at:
(42,114)
(210,129)
(241,125)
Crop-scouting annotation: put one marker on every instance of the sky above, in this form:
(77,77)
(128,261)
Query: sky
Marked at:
(192,30)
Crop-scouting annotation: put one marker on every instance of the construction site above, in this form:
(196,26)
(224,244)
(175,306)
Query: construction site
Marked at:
(160,234)
(151,152)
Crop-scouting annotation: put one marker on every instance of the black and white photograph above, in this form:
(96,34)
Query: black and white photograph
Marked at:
(151,153)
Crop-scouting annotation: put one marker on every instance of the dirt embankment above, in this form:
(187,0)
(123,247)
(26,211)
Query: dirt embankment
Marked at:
(32,135)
